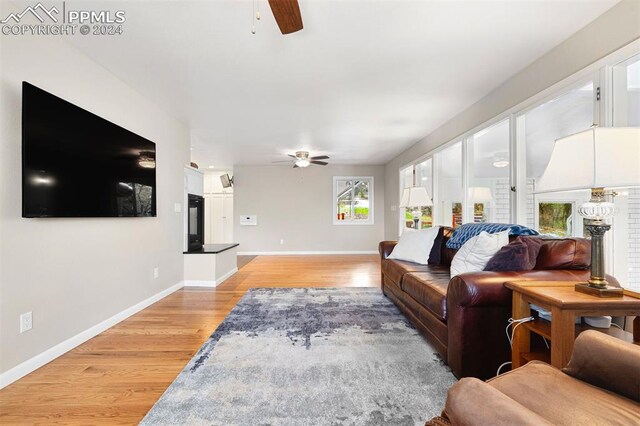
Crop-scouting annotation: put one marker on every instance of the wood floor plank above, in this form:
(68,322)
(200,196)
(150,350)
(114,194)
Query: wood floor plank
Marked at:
(117,376)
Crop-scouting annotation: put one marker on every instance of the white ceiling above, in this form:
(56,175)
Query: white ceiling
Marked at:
(362,82)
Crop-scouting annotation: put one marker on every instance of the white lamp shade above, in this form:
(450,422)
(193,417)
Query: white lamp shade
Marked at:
(480,194)
(416,196)
(602,157)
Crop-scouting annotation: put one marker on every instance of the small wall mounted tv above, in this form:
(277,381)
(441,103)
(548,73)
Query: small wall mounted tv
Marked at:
(76,164)
(227,181)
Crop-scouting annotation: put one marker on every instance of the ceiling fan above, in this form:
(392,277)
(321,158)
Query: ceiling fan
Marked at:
(286,13)
(302,159)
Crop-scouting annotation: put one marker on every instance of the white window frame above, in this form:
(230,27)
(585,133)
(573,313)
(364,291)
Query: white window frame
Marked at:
(347,222)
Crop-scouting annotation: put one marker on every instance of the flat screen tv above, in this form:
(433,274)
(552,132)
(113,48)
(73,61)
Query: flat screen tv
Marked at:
(227,181)
(76,164)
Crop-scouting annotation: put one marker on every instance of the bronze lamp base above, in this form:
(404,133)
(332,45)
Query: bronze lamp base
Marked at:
(598,285)
(606,291)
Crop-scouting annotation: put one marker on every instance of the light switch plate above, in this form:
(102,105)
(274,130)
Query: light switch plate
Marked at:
(177,207)
(248,220)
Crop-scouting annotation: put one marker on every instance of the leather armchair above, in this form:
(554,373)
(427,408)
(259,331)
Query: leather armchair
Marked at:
(601,385)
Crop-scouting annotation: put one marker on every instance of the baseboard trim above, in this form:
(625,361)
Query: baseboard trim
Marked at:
(226,276)
(295,253)
(32,364)
(211,283)
(200,283)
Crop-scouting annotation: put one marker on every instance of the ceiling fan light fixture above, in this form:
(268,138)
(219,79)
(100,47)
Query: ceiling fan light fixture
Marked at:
(303,162)
(501,159)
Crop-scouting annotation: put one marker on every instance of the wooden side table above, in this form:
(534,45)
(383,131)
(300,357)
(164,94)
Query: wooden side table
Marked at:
(565,304)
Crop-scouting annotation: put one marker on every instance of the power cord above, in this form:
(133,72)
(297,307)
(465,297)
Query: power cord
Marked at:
(502,365)
(511,322)
(517,322)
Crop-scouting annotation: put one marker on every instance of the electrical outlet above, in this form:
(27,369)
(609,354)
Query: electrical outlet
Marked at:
(26,321)
(156,272)
(281,242)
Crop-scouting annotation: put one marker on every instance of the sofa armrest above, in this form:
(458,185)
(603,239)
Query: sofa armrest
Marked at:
(385,248)
(474,402)
(606,362)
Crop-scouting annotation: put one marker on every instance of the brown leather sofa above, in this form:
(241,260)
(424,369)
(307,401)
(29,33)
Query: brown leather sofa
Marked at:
(600,385)
(464,318)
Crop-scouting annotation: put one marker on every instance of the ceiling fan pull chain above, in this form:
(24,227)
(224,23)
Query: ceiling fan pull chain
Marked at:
(258,10)
(253,17)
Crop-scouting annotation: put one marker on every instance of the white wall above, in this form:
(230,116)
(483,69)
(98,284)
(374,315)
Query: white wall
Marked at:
(75,273)
(296,206)
(615,28)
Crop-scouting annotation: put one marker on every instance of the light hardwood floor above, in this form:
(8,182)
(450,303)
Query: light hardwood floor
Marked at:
(117,376)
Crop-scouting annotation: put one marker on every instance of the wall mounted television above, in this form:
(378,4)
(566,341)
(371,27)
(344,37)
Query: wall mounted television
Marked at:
(76,164)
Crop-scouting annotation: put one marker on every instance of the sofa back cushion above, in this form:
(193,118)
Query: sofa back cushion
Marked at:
(465,232)
(520,254)
(565,253)
(446,254)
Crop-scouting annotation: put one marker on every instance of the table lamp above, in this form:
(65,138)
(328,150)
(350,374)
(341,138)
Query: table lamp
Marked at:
(598,158)
(415,197)
(480,195)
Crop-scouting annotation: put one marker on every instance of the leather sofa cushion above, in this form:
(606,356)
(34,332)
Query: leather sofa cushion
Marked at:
(446,254)
(395,269)
(561,399)
(569,253)
(429,289)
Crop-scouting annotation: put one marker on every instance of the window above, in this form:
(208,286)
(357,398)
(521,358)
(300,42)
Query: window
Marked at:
(489,178)
(449,178)
(406,181)
(556,219)
(537,131)
(626,93)
(352,200)
(624,238)
(470,179)
(424,178)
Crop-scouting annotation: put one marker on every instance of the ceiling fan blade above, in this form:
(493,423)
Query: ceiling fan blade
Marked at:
(320,163)
(295,166)
(320,157)
(287,14)
(281,161)
(292,156)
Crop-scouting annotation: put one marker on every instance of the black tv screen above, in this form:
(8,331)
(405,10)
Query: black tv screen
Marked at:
(76,164)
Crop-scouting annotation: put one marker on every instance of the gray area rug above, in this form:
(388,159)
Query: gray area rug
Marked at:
(309,357)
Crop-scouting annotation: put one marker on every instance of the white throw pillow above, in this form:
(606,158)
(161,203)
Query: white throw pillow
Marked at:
(415,245)
(474,255)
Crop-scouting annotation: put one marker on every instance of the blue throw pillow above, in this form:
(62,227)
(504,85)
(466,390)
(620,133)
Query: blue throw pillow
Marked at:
(465,232)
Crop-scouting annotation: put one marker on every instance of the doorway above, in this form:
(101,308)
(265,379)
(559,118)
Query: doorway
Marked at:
(218,210)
